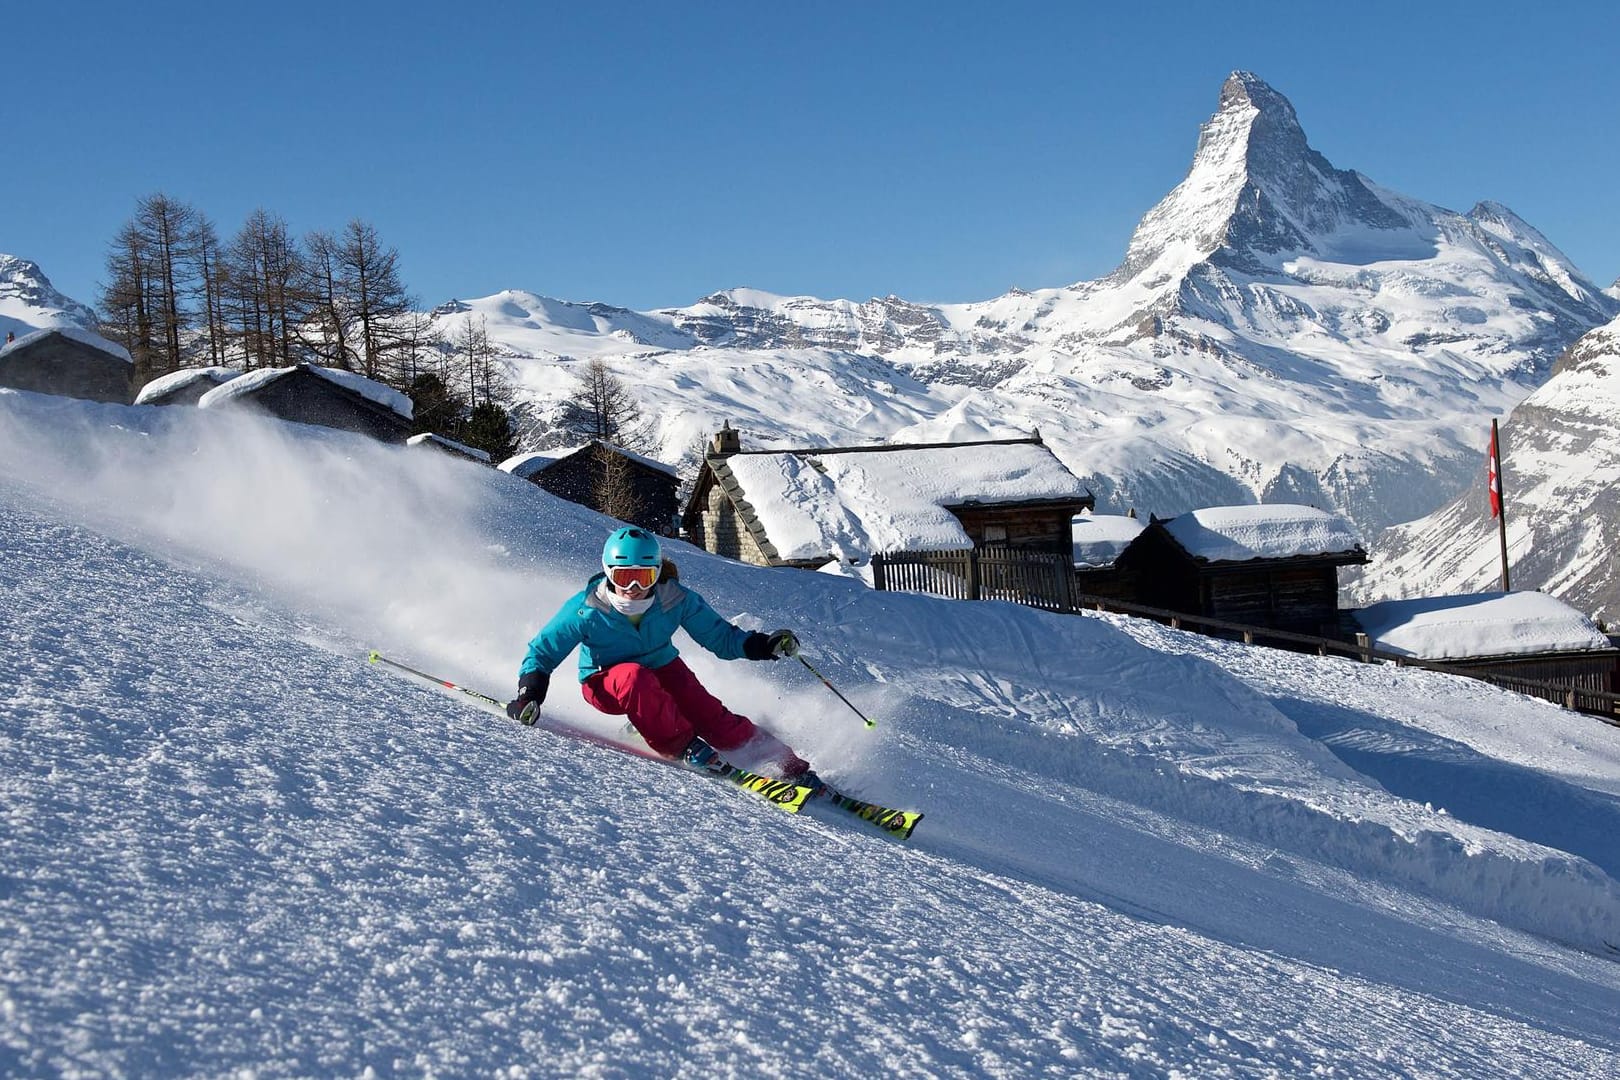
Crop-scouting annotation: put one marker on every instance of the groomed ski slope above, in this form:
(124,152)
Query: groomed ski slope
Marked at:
(231,847)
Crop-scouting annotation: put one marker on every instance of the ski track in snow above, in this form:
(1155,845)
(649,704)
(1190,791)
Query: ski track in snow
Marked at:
(232,847)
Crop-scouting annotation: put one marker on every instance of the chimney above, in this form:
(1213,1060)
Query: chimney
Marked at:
(725,442)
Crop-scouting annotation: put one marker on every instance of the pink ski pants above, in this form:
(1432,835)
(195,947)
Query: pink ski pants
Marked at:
(667,705)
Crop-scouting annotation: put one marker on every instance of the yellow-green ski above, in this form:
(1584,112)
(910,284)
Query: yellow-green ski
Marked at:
(898,823)
(784,794)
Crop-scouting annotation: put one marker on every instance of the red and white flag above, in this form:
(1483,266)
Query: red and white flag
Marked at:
(1496,478)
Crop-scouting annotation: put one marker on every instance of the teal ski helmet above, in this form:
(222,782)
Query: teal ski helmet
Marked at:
(631,546)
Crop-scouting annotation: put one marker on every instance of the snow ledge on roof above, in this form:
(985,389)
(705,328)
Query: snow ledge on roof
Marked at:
(84,337)
(449,444)
(1265,531)
(369,389)
(177,380)
(1472,627)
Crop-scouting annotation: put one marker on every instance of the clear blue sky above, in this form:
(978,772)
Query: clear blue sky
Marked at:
(647,154)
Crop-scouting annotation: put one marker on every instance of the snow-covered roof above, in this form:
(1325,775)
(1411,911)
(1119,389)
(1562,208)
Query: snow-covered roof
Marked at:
(1268,531)
(856,503)
(449,444)
(1099,538)
(527,464)
(369,389)
(164,385)
(1485,624)
(647,461)
(84,337)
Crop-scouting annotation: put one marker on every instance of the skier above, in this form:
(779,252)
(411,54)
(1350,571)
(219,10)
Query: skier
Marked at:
(622,622)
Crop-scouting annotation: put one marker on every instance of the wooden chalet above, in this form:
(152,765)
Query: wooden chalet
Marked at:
(184,387)
(69,362)
(1274,566)
(811,506)
(608,479)
(1506,636)
(325,397)
(1099,541)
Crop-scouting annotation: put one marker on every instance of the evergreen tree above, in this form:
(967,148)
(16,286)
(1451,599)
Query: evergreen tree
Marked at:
(436,409)
(489,429)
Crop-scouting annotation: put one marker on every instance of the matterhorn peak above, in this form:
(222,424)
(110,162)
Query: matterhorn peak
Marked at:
(1256,188)
(1252,112)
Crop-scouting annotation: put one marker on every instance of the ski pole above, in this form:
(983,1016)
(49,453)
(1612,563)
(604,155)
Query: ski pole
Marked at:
(869,722)
(379,658)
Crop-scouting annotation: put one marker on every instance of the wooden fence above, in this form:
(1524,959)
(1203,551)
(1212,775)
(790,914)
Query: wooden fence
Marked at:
(1047,581)
(1037,578)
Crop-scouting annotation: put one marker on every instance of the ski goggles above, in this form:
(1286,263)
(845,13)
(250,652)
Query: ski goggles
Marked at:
(625,577)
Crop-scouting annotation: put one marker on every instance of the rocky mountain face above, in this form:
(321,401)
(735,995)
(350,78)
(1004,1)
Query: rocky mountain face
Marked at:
(29,302)
(1278,329)
(1560,478)
(1256,190)
(1286,242)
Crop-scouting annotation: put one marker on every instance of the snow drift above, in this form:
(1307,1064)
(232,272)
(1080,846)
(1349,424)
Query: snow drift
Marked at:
(232,845)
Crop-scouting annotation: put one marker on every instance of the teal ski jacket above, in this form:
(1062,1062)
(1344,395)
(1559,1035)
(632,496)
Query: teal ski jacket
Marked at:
(604,637)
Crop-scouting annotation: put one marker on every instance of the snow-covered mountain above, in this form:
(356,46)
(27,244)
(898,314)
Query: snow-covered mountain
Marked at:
(231,847)
(1279,329)
(1561,472)
(29,302)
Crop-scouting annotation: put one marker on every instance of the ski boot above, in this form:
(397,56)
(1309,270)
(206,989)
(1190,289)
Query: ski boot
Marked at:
(700,755)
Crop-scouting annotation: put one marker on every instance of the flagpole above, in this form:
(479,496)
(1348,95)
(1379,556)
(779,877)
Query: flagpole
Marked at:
(1499,500)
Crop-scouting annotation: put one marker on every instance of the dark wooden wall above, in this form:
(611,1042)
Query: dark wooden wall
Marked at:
(1302,599)
(576,478)
(1301,596)
(1586,672)
(1043,528)
(60,365)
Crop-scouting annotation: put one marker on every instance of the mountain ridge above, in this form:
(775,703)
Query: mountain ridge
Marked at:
(1560,466)
(29,302)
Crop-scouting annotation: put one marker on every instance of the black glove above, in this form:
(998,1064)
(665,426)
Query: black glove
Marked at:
(532,686)
(771,647)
